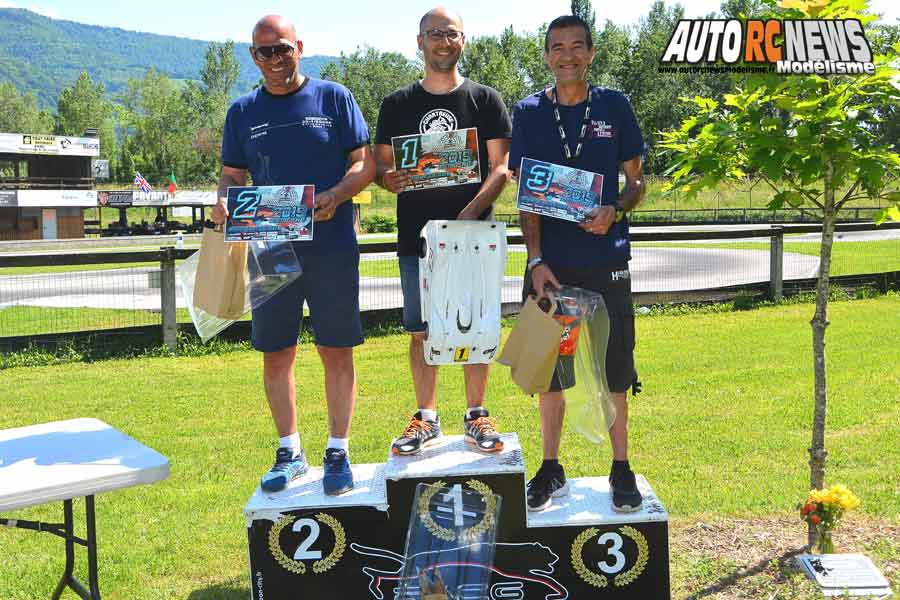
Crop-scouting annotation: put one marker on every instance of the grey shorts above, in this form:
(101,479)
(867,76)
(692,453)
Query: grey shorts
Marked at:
(412,299)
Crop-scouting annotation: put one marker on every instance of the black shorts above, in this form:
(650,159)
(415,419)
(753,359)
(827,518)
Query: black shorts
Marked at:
(614,284)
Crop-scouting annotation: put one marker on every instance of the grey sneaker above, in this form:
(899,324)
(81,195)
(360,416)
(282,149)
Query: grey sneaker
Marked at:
(287,468)
(480,432)
(418,434)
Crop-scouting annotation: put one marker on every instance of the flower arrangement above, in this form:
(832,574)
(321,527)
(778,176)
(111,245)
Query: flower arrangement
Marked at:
(824,509)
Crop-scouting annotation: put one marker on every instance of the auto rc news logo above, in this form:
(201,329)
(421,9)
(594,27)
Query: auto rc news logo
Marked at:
(822,46)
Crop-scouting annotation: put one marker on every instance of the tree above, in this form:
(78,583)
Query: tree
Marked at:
(371,75)
(84,105)
(19,113)
(160,126)
(511,64)
(583,9)
(208,102)
(807,137)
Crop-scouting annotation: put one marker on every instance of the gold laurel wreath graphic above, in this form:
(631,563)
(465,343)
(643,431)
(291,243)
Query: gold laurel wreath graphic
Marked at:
(446,534)
(340,543)
(278,554)
(595,579)
(490,504)
(640,563)
(296,566)
(622,579)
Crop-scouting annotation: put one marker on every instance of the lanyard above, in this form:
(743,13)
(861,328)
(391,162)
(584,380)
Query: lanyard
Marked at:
(562,131)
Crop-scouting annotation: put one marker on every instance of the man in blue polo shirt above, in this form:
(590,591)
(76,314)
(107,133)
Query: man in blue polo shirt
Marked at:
(594,129)
(298,130)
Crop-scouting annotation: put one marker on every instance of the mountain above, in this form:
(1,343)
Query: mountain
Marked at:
(43,55)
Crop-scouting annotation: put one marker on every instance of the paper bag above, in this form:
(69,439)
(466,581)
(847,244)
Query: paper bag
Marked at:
(532,348)
(222,276)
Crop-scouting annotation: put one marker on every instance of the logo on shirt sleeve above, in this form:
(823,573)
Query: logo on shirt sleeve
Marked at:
(439,119)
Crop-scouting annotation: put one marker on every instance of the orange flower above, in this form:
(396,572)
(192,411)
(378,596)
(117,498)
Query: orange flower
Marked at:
(815,519)
(808,508)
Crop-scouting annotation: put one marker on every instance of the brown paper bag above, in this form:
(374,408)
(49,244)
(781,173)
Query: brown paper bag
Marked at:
(222,276)
(532,348)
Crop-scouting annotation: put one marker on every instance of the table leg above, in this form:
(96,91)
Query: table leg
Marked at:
(92,547)
(70,551)
(68,579)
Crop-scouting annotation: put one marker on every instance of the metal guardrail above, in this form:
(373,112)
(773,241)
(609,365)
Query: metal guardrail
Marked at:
(167,256)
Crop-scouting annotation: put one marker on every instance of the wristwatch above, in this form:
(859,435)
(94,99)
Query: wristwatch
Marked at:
(537,260)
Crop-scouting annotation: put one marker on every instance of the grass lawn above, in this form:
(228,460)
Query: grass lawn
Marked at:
(721,431)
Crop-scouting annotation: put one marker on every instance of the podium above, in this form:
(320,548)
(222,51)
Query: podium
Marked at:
(303,543)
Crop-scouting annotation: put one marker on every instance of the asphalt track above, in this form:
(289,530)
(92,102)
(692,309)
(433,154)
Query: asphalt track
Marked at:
(653,270)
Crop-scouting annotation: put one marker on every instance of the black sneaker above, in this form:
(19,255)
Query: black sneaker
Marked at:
(480,432)
(625,495)
(547,484)
(418,435)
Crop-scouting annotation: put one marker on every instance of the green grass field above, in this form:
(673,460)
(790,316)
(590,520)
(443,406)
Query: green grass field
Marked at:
(721,431)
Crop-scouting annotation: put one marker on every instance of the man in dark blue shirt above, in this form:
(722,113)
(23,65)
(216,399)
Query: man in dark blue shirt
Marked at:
(593,129)
(297,130)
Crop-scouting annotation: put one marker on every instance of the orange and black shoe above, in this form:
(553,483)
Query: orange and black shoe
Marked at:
(481,433)
(419,434)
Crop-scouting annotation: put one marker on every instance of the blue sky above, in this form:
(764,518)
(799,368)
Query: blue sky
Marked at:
(342,25)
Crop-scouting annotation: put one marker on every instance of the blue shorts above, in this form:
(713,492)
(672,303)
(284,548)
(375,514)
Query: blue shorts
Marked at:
(330,287)
(412,302)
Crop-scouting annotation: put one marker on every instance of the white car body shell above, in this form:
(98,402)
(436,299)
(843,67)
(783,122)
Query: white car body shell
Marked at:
(461,269)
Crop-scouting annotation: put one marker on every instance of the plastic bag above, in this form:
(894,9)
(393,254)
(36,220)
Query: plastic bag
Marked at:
(581,368)
(271,267)
(450,542)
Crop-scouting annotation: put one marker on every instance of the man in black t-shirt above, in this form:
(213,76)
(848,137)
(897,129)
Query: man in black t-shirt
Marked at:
(442,101)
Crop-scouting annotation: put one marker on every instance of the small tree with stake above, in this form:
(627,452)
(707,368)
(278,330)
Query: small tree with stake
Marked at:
(810,139)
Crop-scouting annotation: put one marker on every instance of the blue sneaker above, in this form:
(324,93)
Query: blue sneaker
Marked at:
(287,468)
(338,477)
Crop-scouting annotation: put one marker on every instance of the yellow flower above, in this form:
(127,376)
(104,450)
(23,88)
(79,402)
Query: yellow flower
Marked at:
(837,496)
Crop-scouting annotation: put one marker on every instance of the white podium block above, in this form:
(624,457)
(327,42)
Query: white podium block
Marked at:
(302,539)
(601,551)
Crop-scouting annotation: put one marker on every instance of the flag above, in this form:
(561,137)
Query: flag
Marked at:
(142,183)
(173,185)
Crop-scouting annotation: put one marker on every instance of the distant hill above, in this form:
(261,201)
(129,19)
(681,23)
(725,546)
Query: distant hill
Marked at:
(43,55)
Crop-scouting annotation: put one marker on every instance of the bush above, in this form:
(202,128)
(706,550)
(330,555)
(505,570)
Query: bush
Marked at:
(378,224)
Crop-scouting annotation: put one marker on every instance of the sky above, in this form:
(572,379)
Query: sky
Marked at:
(332,27)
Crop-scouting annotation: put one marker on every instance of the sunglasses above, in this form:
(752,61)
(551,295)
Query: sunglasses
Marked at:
(264,53)
(437,35)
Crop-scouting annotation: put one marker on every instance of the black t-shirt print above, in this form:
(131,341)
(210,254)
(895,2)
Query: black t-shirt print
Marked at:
(412,110)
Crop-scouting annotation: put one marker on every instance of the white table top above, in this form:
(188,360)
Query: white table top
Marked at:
(70,459)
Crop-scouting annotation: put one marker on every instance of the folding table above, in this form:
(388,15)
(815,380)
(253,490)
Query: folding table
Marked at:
(71,459)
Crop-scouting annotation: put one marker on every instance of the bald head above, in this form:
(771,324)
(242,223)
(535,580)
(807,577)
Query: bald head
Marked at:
(275,26)
(440,14)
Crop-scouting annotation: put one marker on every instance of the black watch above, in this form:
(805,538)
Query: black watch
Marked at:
(534,262)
